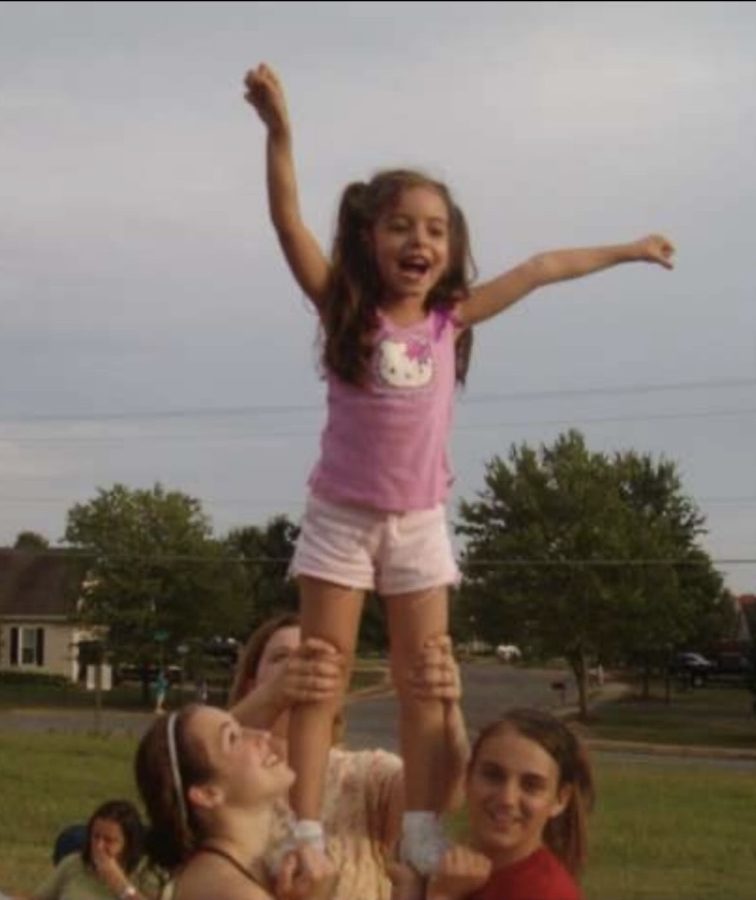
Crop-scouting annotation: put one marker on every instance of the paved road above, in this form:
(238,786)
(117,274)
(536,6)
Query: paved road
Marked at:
(73,721)
(488,690)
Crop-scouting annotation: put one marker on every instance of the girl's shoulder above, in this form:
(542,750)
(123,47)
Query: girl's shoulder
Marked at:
(73,862)
(539,875)
(72,868)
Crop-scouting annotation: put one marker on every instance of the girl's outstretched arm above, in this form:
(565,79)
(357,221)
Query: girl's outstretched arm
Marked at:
(303,254)
(495,296)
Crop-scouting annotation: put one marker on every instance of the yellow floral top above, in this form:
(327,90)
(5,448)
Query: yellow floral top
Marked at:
(358,794)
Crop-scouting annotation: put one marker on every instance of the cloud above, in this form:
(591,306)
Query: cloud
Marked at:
(139,270)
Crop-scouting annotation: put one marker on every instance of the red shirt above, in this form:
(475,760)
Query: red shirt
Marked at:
(539,876)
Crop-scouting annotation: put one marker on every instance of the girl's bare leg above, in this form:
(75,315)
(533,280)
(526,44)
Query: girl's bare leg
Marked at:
(330,612)
(413,618)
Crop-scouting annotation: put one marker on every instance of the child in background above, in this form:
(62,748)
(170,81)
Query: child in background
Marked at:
(109,864)
(396,306)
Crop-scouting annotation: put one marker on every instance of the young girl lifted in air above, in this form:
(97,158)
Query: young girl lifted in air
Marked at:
(396,307)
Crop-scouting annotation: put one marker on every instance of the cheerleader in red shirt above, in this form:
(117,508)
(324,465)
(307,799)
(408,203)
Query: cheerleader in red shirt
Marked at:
(529,790)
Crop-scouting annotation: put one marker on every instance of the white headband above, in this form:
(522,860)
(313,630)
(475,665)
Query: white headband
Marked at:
(178,784)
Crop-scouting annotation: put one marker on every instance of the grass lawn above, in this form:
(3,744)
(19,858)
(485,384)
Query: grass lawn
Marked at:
(716,716)
(683,833)
(48,781)
(128,696)
(659,832)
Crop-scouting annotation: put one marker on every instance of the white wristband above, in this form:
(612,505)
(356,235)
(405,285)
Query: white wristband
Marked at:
(309,831)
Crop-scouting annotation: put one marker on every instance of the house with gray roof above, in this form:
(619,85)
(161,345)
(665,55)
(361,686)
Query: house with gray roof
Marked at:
(39,593)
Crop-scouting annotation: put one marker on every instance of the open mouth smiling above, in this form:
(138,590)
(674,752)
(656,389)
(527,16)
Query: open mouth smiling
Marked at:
(417,265)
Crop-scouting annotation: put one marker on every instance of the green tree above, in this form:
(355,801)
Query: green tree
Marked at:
(265,552)
(676,597)
(570,553)
(31,541)
(155,577)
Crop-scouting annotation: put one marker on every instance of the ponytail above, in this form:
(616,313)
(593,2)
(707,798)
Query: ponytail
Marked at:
(349,315)
(567,833)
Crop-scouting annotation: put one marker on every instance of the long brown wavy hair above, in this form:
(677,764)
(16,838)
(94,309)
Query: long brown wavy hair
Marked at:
(566,834)
(349,314)
(170,839)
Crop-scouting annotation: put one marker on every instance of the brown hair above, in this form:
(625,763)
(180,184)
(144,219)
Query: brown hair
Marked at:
(170,838)
(566,834)
(126,816)
(249,658)
(349,314)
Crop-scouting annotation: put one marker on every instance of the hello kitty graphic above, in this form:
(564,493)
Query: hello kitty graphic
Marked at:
(404,364)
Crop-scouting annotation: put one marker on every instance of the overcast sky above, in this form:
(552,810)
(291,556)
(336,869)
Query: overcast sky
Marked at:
(151,332)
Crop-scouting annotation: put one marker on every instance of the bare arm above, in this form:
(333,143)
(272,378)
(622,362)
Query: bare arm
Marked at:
(308,265)
(462,872)
(114,878)
(310,876)
(436,677)
(495,296)
(313,673)
(406,884)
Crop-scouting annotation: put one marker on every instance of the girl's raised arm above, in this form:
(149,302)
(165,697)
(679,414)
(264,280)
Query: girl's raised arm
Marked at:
(303,254)
(495,296)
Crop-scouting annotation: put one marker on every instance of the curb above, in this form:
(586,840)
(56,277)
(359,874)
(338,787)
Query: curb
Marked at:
(615,690)
(684,750)
(384,687)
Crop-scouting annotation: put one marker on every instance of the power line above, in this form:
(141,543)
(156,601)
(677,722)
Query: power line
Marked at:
(300,502)
(601,420)
(604,563)
(490,563)
(285,409)
(206,437)
(676,386)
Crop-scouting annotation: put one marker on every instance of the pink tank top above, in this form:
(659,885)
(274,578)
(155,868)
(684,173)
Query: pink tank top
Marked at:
(384,445)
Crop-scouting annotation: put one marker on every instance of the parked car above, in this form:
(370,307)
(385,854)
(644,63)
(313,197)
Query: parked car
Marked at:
(733,664)
(693,667)
(508,653)
(733,667)
(225,649)
(133,672)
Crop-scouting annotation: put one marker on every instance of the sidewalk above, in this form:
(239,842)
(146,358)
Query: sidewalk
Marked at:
(615,690)
(681,750)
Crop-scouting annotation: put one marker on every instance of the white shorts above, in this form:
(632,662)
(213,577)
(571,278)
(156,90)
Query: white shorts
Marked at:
(393,553)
